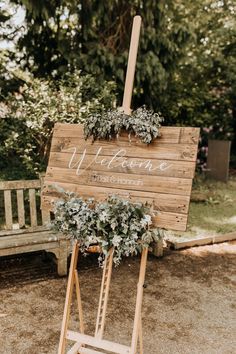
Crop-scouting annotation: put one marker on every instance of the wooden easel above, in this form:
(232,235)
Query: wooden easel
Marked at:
(97,342)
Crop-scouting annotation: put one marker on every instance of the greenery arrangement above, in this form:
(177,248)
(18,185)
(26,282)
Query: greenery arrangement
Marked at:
(114,223)
(142,123)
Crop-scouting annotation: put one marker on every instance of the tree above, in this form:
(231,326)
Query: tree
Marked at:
(94,36)
(186,62)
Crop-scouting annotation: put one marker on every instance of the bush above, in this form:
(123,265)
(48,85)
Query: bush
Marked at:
(32,113)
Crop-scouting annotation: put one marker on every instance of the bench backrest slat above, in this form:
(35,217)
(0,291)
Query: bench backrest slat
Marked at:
(20,195)
(33,210)
(8,209)
(21,184)
(20,207)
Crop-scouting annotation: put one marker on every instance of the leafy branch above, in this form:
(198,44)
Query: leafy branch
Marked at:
(115,222)
(142,123)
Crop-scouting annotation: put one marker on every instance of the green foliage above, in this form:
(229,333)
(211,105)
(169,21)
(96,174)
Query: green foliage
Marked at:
(32,113)
(186,65)
(106,125)
(113,223)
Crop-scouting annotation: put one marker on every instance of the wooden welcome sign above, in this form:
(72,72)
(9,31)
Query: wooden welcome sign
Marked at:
(160,173)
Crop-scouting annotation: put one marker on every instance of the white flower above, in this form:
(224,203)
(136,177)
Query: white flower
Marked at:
(146,220)
(116,240)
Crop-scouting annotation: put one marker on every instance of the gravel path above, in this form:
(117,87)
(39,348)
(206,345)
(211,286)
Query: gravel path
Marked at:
(189,302)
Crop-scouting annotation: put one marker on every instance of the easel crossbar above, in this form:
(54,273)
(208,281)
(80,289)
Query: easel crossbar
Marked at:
(98,343)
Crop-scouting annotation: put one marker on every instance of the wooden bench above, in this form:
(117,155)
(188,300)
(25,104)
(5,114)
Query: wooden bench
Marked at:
(24,227)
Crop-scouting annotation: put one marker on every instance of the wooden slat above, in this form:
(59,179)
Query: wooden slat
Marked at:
(172,221)
(8,209)
(189,135)
(75,349)
(157,184)
(23,231)
(172,135)
(29,238)
(166,220)
(218,238)
(89,351)
(24,184)
(20,207)
(33,210)
(182,152)
(160,201)
(98,343)
(45,215)
(153,167)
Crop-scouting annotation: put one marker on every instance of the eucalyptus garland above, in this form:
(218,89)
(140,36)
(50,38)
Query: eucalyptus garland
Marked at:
(143,123)
(115,222)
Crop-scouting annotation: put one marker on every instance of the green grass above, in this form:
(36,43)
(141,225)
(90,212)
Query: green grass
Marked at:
(215,212)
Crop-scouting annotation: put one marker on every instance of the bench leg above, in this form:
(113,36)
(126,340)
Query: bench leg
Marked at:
(62,258)
(157,248)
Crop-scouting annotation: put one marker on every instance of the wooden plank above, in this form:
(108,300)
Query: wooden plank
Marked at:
(133,51)
(173,221)
(139,298)
(46,218)
(98,343)
(155,150)
(189,135)
(160,201)
(30,238)
(68,300)
(157,184)
(23,231)
(33,210)
(89,351)
(164,219)
(8,209)
(75,349)
(153,167)
(23,184)
(104,291)
(171,135)
(20,207)
(48,246)
(209,240)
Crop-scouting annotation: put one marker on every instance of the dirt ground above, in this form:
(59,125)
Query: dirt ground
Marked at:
(189,302)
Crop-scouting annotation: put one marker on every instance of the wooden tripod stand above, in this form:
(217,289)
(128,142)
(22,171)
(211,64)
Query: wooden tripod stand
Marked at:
(82,340)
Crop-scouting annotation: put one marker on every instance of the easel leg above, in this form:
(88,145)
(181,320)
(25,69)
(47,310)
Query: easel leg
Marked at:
(140,336)
(102,307)
(137,318)
(69,293)
(79,303)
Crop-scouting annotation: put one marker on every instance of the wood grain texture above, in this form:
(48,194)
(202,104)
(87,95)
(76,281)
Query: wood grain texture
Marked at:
(8,209)
(160,201)
(172,168)
(33,210)
(167,220)
(20,207)
(170,135)
(22,184)
(160,173)
(182,152)
(156,184)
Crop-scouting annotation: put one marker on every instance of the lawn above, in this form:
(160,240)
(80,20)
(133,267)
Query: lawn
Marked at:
(212,208)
